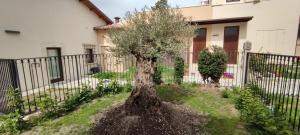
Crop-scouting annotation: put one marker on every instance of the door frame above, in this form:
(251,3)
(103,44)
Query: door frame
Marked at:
(60,68)
(194,53)
(238,41)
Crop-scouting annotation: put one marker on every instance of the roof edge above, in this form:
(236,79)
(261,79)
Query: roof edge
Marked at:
(96,10)
(222,20)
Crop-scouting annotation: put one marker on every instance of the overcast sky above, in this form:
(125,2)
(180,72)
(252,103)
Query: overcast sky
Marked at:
(113,8)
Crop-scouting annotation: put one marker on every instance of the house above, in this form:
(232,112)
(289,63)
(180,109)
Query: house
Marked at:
(40,44)
(34,28)
(270,25)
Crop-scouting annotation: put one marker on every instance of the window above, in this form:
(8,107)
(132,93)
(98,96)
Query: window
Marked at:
(232,0)
(90,55)
(55,64)
(89,50)
(201,32)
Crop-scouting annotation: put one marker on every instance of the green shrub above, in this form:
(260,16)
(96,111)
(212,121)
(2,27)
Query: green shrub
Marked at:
(15,100)
(179,70)
(259,117)
(128,87)
(85,94)
(227,93)
(99,89)
(257,63)
(72,102)
(112,88)
(12,123)
(212,63)
(157,75)
(49,107)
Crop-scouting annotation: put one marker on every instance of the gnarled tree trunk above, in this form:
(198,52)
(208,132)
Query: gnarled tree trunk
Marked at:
(143,97)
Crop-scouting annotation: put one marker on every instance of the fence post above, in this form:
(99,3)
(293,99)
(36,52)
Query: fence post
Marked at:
(13,71)
(77,72)
(246,64)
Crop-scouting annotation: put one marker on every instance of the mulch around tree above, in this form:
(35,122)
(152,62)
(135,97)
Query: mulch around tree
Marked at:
(170,119)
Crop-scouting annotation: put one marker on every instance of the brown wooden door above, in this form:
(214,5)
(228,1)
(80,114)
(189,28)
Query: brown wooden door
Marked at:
(199,43)
(231,42)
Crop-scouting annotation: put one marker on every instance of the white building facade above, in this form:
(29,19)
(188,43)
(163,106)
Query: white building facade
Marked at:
(29,28)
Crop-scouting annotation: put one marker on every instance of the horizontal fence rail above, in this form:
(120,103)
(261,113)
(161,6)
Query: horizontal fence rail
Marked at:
(277,78)
(63,76)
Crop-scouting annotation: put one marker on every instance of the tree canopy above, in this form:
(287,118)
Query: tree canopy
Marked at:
(152,33)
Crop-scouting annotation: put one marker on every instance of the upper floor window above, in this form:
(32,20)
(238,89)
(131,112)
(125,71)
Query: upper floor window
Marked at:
(233,0)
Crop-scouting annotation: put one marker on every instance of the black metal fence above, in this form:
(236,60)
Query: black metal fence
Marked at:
(277,78)
(63,76)
(8,79)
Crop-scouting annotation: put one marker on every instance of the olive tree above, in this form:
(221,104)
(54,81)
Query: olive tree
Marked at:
(149,35)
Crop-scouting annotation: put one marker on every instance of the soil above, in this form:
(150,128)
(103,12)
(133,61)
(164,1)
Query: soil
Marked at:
(169,119)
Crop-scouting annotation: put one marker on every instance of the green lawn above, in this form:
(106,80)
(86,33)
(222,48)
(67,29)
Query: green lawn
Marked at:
(79,121)
(220,114)
(222,117)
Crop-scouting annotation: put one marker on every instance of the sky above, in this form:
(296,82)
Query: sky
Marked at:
(113,8)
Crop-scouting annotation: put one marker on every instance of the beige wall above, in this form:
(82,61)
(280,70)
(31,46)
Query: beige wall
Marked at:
(48,23)
(217,34)
(274,24)
(197,12)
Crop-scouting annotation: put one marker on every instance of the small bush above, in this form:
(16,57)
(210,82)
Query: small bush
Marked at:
(157,75)
(99,89)
(49,107)
(15,100)
(128,87)
(227,94)
(258,63)
(212,63)
(259,117)
(179,70)
(112,88)
(86,94)
(72,102)
(12,123)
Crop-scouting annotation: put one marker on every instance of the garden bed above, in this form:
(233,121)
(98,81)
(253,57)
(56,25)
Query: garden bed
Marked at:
(218,115)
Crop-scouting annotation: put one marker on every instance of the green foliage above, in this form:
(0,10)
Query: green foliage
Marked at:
(128,87)
(13,123)
(212,63)
(99,89)
(157,75)
(257,63)
(259,117)
(113,88)
(49,107)
(15,100)
(127,75)
(179,70)
(152,33)
(227,94)
(85,95)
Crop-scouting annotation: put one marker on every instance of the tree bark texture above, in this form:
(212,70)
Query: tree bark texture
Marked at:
(143,97)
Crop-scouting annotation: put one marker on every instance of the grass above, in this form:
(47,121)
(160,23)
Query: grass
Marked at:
(125,75)
(167,74)
(221,116)
(59,94)
(79,121)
